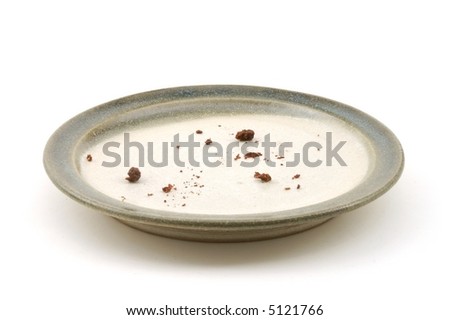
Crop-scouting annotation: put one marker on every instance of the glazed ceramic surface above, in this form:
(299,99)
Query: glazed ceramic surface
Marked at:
(324,158)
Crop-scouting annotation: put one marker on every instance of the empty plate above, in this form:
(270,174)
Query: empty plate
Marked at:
(223,163)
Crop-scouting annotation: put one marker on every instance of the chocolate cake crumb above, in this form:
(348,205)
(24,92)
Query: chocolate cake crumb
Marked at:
(168,188)
(183,205)
(165,201)
(245,135)
(149,194)
(298,186)
(178,147)
(208,141)
(252,155)
(265,177)
(238,156)
(287,188)
(199,132)
(296,176)
(133,174)
(280,157)
(89,158)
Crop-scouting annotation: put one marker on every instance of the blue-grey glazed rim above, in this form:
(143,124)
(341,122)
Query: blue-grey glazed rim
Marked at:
(60,161)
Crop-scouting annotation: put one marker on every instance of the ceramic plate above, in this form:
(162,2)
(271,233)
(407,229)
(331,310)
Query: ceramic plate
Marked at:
(198,181)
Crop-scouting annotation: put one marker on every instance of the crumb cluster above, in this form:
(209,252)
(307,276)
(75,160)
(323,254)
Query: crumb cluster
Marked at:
(134,174)
(245,135)
(252,155)
(264,177)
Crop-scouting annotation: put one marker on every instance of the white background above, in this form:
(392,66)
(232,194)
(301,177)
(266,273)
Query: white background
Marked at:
(387,260)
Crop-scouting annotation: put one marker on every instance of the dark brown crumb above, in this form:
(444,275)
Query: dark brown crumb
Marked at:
(181,170)
(287,188)
(89,158)
(168,188)
(183,205)
(238,156)
(165,201)
(265,177)
(296,176)
(199,132)
(208,141)
(133,174)
(201,186)
(281,164)
(298,186)
(280,157)
(149,194)
(219,125)
(178,147)
(252,155)
(198,177)
(245,135)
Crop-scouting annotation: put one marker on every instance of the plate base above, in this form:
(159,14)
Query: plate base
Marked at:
(210,235)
